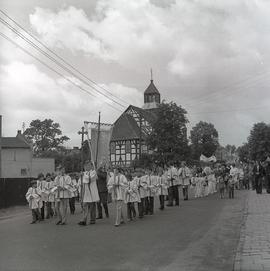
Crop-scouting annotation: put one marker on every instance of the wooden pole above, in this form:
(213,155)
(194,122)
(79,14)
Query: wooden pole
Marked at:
(1,146)
(98,138)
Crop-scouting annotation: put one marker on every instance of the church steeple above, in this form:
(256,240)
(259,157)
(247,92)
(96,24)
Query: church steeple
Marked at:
(151,95)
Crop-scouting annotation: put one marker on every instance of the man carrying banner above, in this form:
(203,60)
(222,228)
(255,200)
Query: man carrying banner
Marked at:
(89,193)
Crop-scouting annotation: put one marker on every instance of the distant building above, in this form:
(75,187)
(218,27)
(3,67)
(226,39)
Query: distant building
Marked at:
(131,129)
(18,161)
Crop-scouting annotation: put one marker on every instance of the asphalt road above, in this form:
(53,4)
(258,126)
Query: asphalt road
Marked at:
(201,234)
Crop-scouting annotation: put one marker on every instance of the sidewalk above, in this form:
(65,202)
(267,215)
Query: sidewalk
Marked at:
(253,251)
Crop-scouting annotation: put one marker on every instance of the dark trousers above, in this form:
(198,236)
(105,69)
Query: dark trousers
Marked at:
(258,184)
(103,196)
(173,195)
(161,201)
(268,184)
(36,215)
(89,209)
(141,207)
(185,192)
(50,212)
(131,213)
(149,205)
(42,210)
(72,205)
(231,191)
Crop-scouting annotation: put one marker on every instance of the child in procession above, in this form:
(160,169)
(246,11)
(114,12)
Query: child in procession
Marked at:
(34,199)
(131,196)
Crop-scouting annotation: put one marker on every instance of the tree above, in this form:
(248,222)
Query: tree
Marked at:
(243,152)
(45,135)
(259,141)
(204,140)
(168,138)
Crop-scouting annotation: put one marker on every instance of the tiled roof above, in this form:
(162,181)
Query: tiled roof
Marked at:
(14,142)
(125,128)
(151,89)
(148,115)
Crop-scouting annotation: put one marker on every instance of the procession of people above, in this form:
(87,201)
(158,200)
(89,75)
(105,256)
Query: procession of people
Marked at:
(140,189)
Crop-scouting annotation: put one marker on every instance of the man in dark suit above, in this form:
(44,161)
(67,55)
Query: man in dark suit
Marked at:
(258,173)
(267,175)
(102,191)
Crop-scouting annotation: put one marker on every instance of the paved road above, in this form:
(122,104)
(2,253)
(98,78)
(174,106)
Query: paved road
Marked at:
(201,234)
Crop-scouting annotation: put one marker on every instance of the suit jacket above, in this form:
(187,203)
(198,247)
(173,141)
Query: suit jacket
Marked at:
(102,180)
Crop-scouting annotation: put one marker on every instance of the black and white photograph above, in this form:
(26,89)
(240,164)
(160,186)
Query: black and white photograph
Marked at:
(134,135)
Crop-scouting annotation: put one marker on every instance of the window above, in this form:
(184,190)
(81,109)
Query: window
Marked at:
(128,147)
(113,148)
(23,172)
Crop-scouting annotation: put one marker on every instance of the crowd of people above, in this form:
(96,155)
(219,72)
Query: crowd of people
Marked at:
(138,189)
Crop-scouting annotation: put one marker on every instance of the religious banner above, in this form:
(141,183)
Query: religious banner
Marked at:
(99,142)
(205,159)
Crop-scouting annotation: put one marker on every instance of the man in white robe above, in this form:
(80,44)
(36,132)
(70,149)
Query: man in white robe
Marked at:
(185,176)
(89,193)
(62,186)
(117,185)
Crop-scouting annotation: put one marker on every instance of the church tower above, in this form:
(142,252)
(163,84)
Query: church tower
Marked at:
(151,96)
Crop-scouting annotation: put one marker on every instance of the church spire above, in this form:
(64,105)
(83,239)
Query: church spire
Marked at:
(151,71)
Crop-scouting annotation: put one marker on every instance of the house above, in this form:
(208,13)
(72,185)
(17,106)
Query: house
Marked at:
(18,161)
(131,129)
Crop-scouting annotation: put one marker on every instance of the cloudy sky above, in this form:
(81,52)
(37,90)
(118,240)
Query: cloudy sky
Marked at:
(210,56)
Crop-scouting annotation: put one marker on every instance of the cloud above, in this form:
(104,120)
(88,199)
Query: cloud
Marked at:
(28,93)
(183,36)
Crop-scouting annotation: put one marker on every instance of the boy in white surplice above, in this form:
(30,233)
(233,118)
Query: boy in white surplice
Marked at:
(34,199)
(89,193)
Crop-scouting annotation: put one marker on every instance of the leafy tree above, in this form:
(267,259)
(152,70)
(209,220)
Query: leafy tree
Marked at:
(230,148)
(204,139)
(45,136)
(243,152)
(168,138)
(259,141)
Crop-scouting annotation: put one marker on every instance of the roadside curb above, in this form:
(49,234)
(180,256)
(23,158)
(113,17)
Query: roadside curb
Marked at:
(239,250)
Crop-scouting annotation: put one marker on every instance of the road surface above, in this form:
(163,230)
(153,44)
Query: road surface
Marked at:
(201,234)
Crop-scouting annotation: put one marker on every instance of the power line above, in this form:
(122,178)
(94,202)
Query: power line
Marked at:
(54,60)
(52,69)
(59,57)
(232,110)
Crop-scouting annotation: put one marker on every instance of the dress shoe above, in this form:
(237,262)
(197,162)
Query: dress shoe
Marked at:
(63,223)
(82,223)
(33,222)
(59,222)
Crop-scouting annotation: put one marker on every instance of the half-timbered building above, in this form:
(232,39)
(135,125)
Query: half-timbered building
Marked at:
(131,129)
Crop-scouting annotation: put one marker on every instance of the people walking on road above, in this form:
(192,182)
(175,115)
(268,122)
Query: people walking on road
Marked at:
(267,175)
(131,196)
(73,193)
(162,187)
(185,177)
(49,196)
(89,193)
(117,187)
(258,173)
(41,184)
(34,199)
(142,189)
(173,192)
(102,191)
(62,185)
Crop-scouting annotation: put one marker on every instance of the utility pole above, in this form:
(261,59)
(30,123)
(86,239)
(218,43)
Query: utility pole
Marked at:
(140,142)
(0,146)
(98,138)
(82,132)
